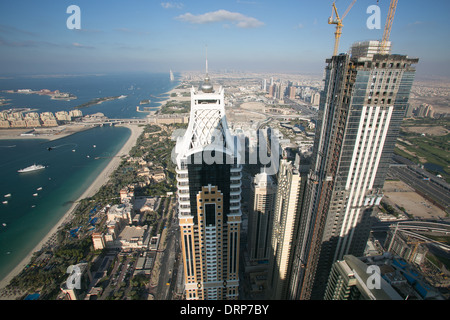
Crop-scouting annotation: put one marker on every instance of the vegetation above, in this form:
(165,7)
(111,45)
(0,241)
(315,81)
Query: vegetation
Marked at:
(431,150)
(172,107)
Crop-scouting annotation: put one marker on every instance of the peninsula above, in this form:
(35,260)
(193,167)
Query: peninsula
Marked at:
(54,95)
(98,101)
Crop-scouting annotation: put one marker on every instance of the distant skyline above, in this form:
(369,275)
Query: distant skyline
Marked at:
(250,36)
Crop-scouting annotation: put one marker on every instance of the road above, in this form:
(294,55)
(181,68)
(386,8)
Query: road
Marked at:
(428,188)
(168,254)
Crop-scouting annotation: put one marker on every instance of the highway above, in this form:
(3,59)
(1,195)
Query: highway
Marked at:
(428,188)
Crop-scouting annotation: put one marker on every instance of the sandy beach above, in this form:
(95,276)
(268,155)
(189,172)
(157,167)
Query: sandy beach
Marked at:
(49,134)
(93,188)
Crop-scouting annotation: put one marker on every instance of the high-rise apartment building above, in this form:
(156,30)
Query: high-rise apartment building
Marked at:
(352,279)
(262,199)
(383,277)
(209,194)
(361,109)
(284,227)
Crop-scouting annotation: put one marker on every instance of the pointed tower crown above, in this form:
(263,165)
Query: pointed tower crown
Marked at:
(207,87)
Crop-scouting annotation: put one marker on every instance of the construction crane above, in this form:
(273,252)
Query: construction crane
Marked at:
(338,22)
(388,25)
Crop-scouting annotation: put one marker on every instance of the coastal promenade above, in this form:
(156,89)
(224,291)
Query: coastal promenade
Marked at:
(136,131)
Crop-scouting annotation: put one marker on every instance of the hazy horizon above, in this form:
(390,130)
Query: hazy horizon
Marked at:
(251,36)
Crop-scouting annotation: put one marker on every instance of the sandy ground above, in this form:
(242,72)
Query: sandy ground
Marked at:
(93,188)
(400,194)
(434,131)
(44,133)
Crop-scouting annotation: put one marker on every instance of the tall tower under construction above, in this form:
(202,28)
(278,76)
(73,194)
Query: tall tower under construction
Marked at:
(209,194)
(363,103)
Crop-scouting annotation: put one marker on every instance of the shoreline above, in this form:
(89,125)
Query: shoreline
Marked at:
(49,134)
(99,181)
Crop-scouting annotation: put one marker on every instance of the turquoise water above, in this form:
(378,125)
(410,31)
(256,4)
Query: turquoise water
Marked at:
(71,165)
(68,173)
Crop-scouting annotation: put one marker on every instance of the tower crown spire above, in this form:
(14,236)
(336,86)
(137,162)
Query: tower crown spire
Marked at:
(206,61)
(207,86)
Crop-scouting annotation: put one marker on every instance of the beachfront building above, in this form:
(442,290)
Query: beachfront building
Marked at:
(209,195)
(123,230)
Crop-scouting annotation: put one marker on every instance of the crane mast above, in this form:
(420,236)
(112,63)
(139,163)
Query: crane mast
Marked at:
(388,26)
(338,22)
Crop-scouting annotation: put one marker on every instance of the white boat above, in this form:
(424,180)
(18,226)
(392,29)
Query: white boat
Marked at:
(8,195)
(5,202)
(35,194)
(122,97)
(4,224)
(39,189)
(34,167)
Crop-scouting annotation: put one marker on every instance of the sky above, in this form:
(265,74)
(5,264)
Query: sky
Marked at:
(244,35)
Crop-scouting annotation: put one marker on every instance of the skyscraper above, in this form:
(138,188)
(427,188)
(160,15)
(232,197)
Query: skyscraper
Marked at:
(263,191)
(350,280)
(284,226)
(209,194)
(361,109)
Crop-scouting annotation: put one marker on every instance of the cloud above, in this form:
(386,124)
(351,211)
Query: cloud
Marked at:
(130,31)
(26,43)
(416,23)
(14,30)
(247,2)
(240,20)
(170,5)
(81,46)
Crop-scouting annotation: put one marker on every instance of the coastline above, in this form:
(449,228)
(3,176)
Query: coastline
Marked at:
(50,134)
(100,180)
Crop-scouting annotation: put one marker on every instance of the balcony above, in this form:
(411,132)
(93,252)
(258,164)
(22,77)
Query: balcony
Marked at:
(182,177)
(236,168)
(235,191)
(183,185)
(236,175)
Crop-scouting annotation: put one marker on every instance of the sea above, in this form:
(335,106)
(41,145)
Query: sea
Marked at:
(37,200)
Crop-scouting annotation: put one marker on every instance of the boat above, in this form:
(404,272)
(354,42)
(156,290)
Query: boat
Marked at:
(35,194)
(39,189)
(8,195)
(5,202)
(122,97)
(34,167)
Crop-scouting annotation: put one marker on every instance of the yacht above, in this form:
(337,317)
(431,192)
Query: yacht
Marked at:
(34,167)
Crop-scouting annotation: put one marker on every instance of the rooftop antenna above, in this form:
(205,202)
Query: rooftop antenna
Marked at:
(206,86)
(206,60)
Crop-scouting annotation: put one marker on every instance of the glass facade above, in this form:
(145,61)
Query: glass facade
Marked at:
(361,110)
